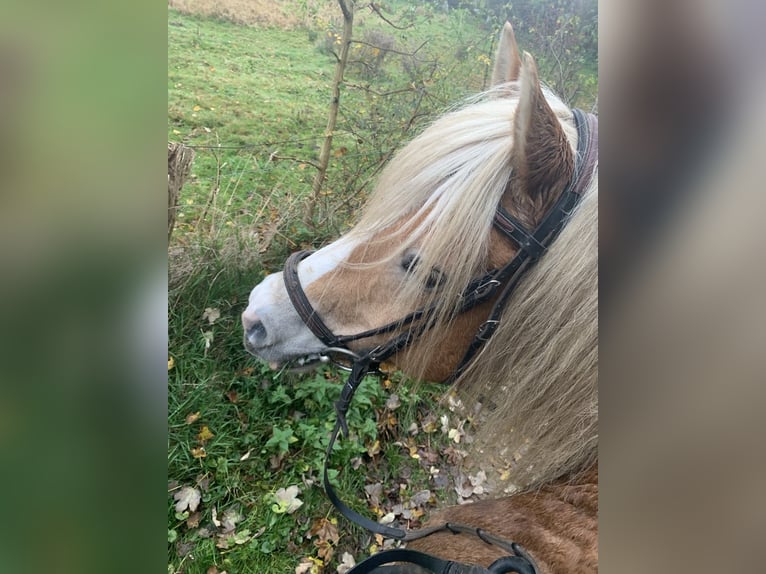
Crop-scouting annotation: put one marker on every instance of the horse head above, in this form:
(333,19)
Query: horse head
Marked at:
(427,233)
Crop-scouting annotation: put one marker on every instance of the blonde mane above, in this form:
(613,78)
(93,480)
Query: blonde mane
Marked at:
(439,195)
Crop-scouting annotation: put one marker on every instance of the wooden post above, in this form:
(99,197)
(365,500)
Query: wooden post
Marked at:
(179,165)
(324,155)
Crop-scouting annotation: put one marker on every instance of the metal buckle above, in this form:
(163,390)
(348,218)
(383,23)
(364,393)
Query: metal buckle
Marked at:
(327,356)
(485,288)
(486,330)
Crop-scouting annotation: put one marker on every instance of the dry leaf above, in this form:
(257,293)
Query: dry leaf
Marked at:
(373,449)
(326,530)
(192,417)
(420,498)
(286,500)
(187,498)
(393,402)
(193,520)
(347,562)
(171,363)
(211,314)
(309,565)
(229,519)
(208,338)
(204,434)
(388,518)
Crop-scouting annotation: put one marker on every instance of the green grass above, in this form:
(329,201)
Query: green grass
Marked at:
(282,423)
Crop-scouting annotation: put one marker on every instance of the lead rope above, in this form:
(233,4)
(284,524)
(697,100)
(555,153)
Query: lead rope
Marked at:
(519,561)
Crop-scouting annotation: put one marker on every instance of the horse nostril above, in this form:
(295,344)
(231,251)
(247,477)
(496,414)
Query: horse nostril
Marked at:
(256,331)
(253,326)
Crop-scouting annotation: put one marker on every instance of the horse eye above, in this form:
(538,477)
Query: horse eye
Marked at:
(409,262)
(435,277)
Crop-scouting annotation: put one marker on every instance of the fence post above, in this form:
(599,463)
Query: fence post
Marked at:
(179,165)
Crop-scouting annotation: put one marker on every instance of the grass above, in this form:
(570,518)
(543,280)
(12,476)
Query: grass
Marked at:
(262,431)
(252,102)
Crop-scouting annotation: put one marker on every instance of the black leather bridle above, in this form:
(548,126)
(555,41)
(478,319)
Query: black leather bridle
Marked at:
(498,282)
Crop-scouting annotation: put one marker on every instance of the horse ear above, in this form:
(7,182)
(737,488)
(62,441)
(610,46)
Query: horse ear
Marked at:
(541,159)
(507,60)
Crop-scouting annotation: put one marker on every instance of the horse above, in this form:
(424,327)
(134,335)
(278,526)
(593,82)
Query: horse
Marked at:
(449,213)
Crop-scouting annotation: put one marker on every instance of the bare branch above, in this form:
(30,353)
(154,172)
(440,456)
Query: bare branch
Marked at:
(375,9)
(389,49)
(274,156)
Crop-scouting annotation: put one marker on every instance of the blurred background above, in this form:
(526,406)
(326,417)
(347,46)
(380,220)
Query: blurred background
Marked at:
(83,253)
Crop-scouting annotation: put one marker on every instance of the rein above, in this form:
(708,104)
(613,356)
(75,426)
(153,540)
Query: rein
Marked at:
(501,282)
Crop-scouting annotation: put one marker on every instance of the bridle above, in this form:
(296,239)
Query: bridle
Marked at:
(498,282)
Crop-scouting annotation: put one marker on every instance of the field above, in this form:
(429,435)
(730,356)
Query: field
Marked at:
(248,90)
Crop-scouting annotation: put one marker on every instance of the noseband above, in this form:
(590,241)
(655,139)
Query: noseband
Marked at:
(498,282)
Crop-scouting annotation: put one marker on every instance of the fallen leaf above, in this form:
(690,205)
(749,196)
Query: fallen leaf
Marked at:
(232,396)
(187,497)
(171,363)
(192,417)
(184,548)
(207,336)
(193,520)
(203,481)
(245,456)
(347,562)
(241,537)
(324,529)
(286,500)
(309,565)
(374,492)
(230,518)
(211,314)
(393,402)
(429,424)
(204,434)
(214,513)
(373,449)
(420,498)
(388,518)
